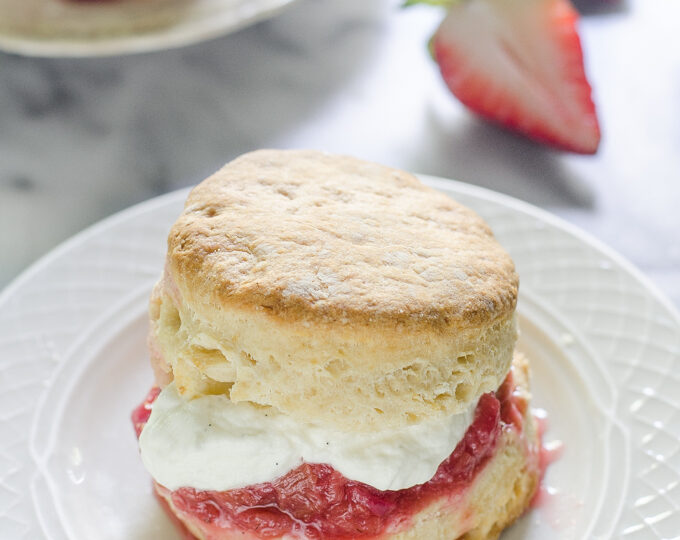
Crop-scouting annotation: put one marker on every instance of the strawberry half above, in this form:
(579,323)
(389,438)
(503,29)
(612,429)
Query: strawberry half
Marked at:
(520,64)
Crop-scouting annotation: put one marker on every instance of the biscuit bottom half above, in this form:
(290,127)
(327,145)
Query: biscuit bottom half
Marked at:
(481,488)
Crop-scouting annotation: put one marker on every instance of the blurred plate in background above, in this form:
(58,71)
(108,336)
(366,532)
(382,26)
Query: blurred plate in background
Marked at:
(109,27)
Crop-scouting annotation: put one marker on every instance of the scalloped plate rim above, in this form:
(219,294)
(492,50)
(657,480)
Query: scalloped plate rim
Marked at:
(23,281)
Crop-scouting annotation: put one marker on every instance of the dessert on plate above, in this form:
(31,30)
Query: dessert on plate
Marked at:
(333,345)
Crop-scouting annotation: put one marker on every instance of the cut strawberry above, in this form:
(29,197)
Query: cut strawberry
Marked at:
(520,64)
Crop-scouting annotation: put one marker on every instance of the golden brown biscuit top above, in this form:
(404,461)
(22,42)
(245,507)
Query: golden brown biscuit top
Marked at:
(309,236)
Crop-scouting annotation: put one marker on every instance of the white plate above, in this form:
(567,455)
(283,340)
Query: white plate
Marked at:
(605,350)
(101,28)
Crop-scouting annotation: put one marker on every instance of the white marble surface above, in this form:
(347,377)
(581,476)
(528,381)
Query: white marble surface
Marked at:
(83,138)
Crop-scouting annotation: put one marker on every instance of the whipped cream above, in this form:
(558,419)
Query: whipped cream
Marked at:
(211,443)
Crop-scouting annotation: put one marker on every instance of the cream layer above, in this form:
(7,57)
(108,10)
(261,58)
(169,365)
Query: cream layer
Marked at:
(211,443)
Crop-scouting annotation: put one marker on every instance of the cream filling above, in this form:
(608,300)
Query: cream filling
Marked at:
(211,443)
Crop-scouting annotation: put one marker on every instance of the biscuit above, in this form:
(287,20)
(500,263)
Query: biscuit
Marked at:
(334,289)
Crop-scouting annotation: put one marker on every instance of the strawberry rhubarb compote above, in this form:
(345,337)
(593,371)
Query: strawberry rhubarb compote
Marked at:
(314,500)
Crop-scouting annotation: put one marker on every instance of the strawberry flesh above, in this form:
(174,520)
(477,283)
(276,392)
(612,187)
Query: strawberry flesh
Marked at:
(520,65)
